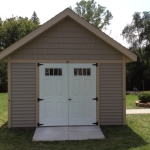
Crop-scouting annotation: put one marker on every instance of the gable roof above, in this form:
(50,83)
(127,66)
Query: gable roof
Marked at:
(68,12)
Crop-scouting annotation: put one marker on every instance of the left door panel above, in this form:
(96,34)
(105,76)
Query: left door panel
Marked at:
(53,89)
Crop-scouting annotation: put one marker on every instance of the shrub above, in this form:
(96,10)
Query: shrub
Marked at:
(144,96)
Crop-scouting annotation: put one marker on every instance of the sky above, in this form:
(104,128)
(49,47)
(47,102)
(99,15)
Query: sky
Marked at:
(122,11)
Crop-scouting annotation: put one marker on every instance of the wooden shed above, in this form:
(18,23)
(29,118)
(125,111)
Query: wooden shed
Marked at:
(66,72)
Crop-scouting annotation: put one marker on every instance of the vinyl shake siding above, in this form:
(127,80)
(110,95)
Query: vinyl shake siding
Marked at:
(67,41)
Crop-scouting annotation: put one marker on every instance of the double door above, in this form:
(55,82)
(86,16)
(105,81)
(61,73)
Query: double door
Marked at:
(66,92)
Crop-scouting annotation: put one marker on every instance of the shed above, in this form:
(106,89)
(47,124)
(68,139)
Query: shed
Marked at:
(66,72)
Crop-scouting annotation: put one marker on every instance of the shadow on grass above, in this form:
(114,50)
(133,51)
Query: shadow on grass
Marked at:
(117,138)
(14,136)
(122,137)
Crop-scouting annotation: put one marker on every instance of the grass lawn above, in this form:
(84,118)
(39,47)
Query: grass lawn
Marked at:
(3,107)
(134,136)
(130,101)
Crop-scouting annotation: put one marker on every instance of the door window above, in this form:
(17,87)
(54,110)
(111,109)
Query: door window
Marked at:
(82,71)
(53,71)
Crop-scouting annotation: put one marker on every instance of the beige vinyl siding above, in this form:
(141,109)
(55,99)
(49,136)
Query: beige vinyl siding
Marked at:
(111,100)
(67,40)
(23,95)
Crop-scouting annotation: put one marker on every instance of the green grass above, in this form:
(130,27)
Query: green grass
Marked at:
(130,101)
(134,136)
(3,107)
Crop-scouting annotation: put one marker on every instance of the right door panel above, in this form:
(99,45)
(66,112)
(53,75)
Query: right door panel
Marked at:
(82,89)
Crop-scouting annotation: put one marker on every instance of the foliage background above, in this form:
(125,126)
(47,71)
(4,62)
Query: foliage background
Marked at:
(12,30)
(137,34)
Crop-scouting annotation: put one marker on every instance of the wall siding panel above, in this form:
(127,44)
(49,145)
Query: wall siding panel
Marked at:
(67,40)
(111,101)
(23,95)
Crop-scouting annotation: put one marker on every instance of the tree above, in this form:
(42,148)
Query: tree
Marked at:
(137,35)
(0,22)
(93,13)
(3,77)
(35,18)
(11,30)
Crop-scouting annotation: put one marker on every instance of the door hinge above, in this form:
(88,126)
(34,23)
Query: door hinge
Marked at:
(39,124)
(95,98)
(95,123)
(38,99)
(95,64)
(38,64)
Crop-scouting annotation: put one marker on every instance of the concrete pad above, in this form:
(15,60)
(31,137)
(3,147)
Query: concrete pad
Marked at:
(67,133)
(138,111)
(50,134)
(85,133)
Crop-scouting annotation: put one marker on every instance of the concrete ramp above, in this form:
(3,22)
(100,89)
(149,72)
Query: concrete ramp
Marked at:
(67,133)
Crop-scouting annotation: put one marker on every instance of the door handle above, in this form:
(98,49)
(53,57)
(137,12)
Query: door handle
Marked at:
(69,99)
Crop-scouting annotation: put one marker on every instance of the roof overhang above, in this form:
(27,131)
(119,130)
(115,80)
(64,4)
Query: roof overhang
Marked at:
(68,12)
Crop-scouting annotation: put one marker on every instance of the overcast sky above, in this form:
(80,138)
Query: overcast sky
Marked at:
(122,11)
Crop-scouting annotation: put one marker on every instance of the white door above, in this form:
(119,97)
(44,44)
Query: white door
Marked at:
(82,89)
(67,91)
(53,109)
